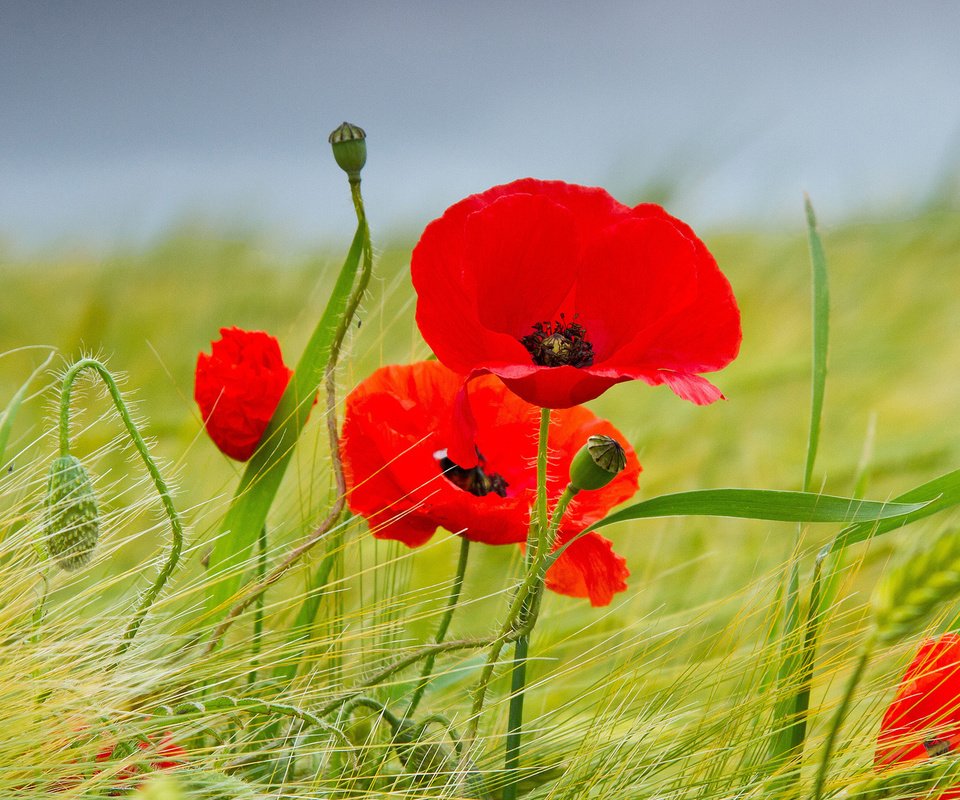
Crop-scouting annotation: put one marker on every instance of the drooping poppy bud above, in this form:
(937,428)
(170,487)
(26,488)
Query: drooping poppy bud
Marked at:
(349,149)
(597,463)
(71,521)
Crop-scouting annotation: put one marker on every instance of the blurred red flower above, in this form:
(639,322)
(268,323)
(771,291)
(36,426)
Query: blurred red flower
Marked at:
(562,292)
(166,754)
(396,430)
(238,387)
(923,721)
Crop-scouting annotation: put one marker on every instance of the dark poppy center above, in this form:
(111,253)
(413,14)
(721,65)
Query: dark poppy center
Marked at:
(559,343)
(475,480)
(936,747)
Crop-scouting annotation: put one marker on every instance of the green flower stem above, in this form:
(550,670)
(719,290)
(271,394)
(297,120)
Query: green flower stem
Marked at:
(511,761)
(356,295)
(852,684)
(545,530)
(542,452)
(175,524)
(443,626)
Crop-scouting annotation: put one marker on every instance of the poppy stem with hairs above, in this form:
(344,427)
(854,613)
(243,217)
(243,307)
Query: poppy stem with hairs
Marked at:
(176,526)
(539,544)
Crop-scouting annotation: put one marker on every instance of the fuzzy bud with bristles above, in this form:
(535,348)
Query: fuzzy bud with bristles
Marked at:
(349,149)
(597,463)
(71,524)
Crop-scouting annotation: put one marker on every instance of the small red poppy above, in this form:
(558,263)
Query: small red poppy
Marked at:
(238,387)
(166,754)
(562,292)
(923,721)
(396,430)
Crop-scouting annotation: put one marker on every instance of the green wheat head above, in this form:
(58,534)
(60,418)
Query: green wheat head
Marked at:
(907,595)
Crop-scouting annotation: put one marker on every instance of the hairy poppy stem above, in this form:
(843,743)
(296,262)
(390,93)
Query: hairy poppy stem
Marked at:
(528,614)
(444,625)
(176,526)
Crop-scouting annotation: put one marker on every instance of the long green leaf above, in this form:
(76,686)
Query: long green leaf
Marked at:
(821,336)
(934,496)
(262,477)
(762,504)
(789,719)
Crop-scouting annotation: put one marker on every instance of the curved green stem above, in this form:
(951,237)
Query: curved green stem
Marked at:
(855,678)
(176,526)
(444,625)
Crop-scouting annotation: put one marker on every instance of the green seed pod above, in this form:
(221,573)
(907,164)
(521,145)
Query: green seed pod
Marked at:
(597,463)
(71,522)
(349,149)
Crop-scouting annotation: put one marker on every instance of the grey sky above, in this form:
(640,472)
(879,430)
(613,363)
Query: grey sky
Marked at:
(119,118)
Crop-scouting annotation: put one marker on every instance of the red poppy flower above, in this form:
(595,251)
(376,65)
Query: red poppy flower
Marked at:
(562,292)
(923,721)
(167,754)
(396,430)
(238,387)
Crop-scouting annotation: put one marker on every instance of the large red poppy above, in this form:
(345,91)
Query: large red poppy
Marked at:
(562,292)
(396,430)
(238,387)
(923,721)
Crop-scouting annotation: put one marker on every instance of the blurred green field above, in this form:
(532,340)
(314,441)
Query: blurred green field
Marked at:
(889,423)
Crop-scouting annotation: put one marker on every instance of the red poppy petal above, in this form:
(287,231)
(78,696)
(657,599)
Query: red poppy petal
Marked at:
(690,387)
(402,525)
(589,568)
(702,335)
(646,260)
(520,260)
(558,387)
(446,316)
(926,705)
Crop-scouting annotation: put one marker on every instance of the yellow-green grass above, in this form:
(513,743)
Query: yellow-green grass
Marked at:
(668,690)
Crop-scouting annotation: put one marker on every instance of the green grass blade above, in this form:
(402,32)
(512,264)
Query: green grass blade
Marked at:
(764,504)
(262,477)
(821,335)
(10,412)
(789,719)
(934,496)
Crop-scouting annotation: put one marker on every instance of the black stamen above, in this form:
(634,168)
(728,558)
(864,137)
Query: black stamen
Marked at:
(936,747)
(559,343)
(473,480)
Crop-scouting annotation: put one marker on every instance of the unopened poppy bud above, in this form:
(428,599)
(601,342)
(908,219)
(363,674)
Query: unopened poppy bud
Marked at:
(71,521)
(597,463)
(350,149)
